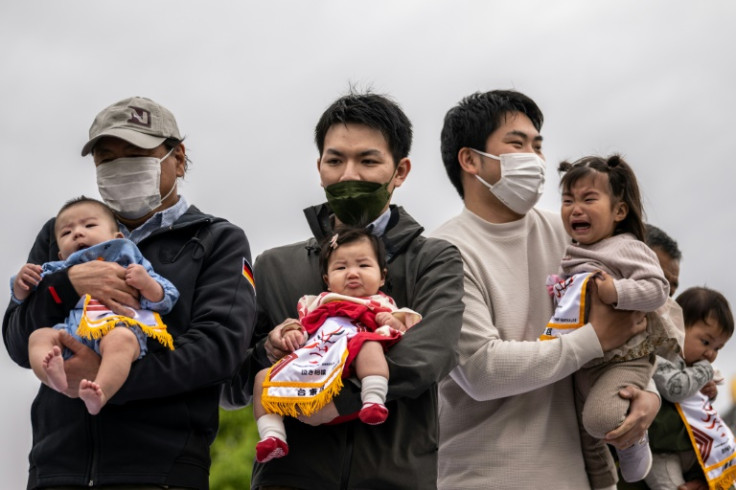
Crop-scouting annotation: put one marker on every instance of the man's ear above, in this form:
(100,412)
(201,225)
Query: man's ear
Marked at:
(469,160)
(180,153)
(402,171)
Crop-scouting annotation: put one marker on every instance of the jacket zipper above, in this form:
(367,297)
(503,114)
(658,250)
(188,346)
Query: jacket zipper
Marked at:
(94,444)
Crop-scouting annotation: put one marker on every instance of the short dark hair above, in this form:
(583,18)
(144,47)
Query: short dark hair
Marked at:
(474,119)
(88,200)
(373,110)
(656,237)
(705,304)
(621,182)
(349,234)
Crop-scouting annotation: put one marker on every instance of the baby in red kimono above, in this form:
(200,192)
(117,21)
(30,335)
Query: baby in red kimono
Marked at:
(342,330)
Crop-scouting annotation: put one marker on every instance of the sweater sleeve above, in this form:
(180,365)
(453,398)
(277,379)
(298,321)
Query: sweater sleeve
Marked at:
(676,381)
(491,367)
(643,286)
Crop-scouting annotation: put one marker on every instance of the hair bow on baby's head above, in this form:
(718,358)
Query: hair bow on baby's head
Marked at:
(333,241)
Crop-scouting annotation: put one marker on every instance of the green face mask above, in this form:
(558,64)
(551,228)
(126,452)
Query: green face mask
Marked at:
(357,202)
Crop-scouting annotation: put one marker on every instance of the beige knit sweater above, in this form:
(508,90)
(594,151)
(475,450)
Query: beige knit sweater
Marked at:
(507,416)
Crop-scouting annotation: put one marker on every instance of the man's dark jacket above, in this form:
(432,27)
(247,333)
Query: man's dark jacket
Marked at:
(158,428)
(425,275)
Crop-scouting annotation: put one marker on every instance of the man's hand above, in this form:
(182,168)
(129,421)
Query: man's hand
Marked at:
(643,409)
(326,414)
(613,327)
(105,281)
(82,365)
(275,346)
(606,288)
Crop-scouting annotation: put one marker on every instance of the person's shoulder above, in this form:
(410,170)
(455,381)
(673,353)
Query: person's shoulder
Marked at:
(430,249)
(290,252)
(434,245)
(546,222)
(450,228)
(290,247)
(547,215)
(194,215)
(219,228)
(630,244)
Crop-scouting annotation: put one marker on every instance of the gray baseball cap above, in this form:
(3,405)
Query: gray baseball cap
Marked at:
(137,120)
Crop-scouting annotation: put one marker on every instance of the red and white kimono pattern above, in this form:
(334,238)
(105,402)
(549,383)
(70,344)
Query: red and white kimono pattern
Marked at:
(307,379)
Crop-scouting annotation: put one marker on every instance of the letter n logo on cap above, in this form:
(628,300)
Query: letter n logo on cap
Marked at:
(139,116)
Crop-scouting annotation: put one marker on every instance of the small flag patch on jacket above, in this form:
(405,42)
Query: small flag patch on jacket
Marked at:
(248,273)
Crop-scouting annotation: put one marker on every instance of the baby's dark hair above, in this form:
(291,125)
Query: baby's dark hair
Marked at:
(88,200)
(705,304)
(622,185)
(349,234)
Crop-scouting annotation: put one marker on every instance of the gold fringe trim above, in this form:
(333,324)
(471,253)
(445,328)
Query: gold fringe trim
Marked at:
(727,477)
(96,329)
(296,406)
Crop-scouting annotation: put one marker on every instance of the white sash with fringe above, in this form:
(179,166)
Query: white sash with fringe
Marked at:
(307,379)
(712,439)
(97,320)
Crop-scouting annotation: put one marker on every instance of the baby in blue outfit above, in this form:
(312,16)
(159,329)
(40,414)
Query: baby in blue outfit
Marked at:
(86,230)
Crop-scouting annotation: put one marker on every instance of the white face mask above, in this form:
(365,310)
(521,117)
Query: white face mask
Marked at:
(522,180)
(131,186)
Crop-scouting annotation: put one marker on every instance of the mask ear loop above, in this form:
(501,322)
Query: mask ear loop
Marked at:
(391,179)
(173,186)
(481,179)
(486,154)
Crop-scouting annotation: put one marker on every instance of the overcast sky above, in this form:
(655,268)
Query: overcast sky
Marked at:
(247,81)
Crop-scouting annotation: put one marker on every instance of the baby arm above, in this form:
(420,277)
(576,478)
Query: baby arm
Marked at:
(710,389)
(676,381)
(136,276)
(28,277)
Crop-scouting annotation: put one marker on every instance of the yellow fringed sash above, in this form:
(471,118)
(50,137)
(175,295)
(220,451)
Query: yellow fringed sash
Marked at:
(96,328)
(306,380)
(712,441)
(293,406)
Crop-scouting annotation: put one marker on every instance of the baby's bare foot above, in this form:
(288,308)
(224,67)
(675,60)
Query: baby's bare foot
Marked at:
(92,395)
(53,364)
